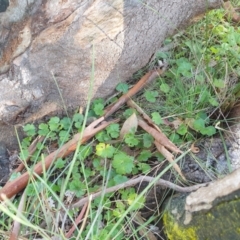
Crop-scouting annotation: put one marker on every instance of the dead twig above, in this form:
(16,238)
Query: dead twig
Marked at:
(135,181)
(77,221)
(169,157)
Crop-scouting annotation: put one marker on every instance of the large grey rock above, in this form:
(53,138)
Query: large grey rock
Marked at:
(48,49)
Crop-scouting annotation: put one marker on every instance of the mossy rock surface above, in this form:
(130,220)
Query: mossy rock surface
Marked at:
(220,222)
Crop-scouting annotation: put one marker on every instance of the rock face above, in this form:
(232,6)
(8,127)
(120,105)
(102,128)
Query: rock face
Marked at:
(59,49)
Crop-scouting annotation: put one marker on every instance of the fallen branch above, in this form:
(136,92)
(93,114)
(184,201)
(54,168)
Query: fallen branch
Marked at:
(17,185)
(135,181)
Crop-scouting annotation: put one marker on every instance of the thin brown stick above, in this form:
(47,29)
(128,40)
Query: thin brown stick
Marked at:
(159,146)
(77,221)
(147,78)
(133,182)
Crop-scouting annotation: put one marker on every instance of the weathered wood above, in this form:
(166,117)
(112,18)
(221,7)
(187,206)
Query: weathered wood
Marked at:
(212,212)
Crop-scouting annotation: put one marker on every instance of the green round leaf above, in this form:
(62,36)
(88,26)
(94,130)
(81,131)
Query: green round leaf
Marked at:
(122,163)
(157,118)
(151,96)
(122,87)
(164,87)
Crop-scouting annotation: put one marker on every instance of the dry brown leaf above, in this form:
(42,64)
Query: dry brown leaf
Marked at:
(169,156)
(130,125)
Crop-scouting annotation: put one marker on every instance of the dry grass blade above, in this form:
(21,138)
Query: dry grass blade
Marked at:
(16,224)
(169,157)
(86,215)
